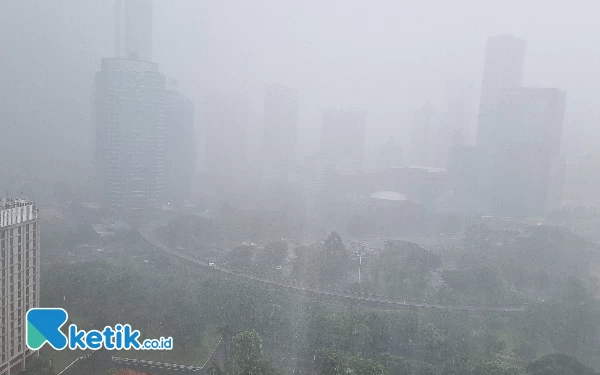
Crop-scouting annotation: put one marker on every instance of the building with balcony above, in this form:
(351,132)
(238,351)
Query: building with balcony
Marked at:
(19,280)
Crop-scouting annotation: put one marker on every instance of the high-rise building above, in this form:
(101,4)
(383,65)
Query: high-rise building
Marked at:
(528,115)
(280,133)
(130,126)
(425,137)
(390,154)
(520,130)
(528,124)
(133,29)
(582,179)
(226,125)
(343,134)
(180,147)
(503,69)
(19,280)
(456,120)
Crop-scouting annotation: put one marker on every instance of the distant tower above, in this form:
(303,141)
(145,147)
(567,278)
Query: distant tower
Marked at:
(526,147)
(425,137)
(227,117)
(130,127)
(503,69)
(389,154)
(180,150)
(455,124)
(133,29)
(343,136)
(280,134)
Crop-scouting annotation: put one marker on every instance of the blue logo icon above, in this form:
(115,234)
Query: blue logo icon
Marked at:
(43,326)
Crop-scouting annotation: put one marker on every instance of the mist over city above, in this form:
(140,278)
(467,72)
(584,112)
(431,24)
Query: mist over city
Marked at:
(316,187)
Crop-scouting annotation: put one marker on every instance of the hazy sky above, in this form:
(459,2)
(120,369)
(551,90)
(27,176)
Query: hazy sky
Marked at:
(387,57)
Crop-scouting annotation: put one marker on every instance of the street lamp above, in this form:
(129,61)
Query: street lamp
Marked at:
(360,253)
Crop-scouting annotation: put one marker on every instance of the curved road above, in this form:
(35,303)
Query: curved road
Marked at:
(149,234)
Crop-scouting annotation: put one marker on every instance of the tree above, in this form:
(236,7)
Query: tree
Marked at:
(558,364)
(427,370)
(333,260)
(365,366)
(334,246)
(214,369)
(38,367)
(404,269)
(395,365)
(246,356)
(456,366)
(494,367)
(379,334)
(241,257)
(330,362)
(274,254)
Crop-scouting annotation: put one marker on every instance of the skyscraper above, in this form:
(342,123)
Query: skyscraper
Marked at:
(390,154)
(503,69)
(130,99)
(133,29)
(530,116)
(226,136)
(456,120)
(526,146)
(19,279)
(343,135)
(425,137)
(180,149)
(582,178)
(280,133)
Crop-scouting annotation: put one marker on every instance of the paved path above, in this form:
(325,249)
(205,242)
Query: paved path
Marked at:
(149,234)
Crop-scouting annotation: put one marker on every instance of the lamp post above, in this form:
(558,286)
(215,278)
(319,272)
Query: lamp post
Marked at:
(360,253)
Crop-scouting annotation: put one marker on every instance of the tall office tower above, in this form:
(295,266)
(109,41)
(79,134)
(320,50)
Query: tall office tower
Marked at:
(226,136)
(527,146)
(390,154)
(343,135)
(455,124)
(280,134)
(503,69)
(133,29)
(130,98)
(19,279)
(180,147)
(425,137)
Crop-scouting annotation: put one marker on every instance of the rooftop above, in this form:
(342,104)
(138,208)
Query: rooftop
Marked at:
(388,195)
(7,203)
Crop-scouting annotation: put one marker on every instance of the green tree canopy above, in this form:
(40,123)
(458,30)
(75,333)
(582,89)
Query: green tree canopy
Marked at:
(494,367)
(246,356)
(558,364)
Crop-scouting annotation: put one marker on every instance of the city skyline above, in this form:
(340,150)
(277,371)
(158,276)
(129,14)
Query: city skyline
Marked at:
(76,59)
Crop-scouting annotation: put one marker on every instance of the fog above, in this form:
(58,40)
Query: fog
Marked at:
(385,57)
(300,187)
